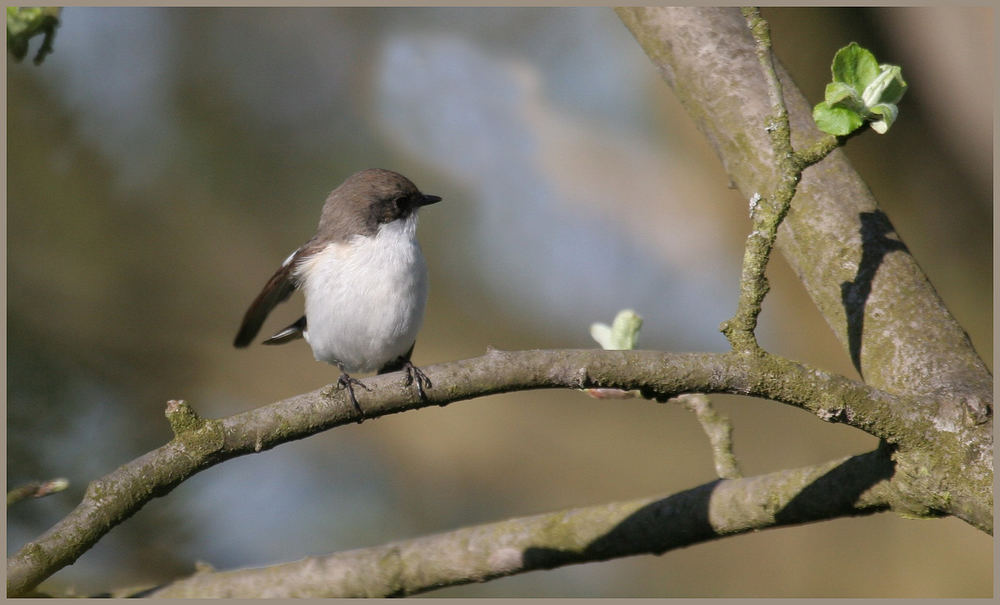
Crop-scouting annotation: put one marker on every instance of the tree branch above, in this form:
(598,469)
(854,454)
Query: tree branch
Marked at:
(870,290)
(767,211)
(850,486)
(718,430)
(200,444)
(910,344)
(36,489)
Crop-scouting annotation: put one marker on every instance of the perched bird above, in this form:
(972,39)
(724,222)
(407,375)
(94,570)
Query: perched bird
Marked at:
(364,279)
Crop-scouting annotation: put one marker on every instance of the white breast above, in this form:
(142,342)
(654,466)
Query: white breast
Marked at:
(365,298)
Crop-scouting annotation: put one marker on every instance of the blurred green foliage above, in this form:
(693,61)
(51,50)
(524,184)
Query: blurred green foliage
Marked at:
(23,23)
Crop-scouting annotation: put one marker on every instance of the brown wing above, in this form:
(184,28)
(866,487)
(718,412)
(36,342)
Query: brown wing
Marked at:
(277,290)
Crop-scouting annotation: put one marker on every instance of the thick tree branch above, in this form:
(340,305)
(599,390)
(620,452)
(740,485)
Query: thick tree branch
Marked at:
(200,444)
(860,275)
(851,486)
(834,233)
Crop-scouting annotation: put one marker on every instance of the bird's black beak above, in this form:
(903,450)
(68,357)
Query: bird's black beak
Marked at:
(427,200)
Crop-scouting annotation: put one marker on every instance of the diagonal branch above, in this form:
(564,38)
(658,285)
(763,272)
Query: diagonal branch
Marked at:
(200,444)
(767,211)
(850,486)
(862,278)
(836,234)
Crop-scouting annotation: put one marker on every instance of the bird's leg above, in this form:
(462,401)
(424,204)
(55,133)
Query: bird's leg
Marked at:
(347,382)
(415,374)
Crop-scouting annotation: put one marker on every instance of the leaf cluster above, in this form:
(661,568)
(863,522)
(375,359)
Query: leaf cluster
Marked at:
(24,23)
(861,91)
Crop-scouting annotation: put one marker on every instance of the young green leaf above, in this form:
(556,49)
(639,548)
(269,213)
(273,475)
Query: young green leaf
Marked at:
(854,66)
(836,120)
(861,91)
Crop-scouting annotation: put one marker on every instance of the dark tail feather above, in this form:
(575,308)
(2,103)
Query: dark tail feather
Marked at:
(289,334)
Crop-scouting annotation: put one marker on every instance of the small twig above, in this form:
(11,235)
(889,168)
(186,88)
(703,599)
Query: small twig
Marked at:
(768,210)
(777,126)
(36,489)
(719,431)
(623,335)
(819,150)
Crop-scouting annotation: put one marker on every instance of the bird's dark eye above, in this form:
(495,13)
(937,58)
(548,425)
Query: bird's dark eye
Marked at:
(394,208)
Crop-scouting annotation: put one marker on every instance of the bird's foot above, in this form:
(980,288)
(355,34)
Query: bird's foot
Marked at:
(347,382)
(415,374)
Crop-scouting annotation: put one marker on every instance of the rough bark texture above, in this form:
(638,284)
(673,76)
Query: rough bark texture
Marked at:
(199,444)
(595,533)
(862,278)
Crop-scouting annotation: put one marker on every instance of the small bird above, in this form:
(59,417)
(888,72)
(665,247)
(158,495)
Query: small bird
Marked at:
(364,279)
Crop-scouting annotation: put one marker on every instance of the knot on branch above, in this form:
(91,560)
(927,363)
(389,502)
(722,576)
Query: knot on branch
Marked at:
(182,417)
(833,415)
(919,492)
(977,410)
(191,429)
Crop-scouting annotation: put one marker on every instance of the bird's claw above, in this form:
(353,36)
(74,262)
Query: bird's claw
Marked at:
(347,382)
(415,374)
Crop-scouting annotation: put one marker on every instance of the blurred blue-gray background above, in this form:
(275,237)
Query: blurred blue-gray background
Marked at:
(163,162)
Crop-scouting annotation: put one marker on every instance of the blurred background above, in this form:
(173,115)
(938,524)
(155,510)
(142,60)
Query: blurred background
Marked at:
(163,162)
